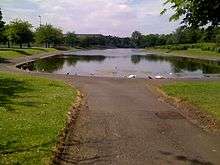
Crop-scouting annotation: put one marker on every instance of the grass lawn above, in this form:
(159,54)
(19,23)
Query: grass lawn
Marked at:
(33,111)
(9,53)
(189,52)
(204,95)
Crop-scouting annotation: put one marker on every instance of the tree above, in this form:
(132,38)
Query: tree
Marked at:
(152,40)
(2,23)
(48,35)
(195,12)
(71,39)
(136,38)
(19,32)
(187,35)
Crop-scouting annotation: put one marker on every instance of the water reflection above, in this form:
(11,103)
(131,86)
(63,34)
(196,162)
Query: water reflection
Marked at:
(179,64)
(72,60)
(47,64)
(55,63)
(121,63)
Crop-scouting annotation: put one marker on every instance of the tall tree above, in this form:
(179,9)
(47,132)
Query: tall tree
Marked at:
(19,32)
(71,39)
(195,12)
(48,35)
(2,23)
(188,35)
(136,38)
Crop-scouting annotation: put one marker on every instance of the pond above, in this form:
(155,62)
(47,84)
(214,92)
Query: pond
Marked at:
(121,63)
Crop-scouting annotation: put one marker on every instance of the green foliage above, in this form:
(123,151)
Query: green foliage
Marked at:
(195,12)
(136,38)
(104,41)
(187,35)
(19,32)
(152,40)
(33,111)
(114,41)
(183,35)
(48,35)
(71,39)
(204,95)
(2,24)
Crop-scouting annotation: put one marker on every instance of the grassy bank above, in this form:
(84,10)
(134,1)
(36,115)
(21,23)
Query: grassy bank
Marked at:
(33,111)
(9,53)
(204,95)
(191,50)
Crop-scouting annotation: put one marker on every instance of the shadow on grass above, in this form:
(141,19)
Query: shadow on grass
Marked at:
(3,60)
(10,90)
(11,148)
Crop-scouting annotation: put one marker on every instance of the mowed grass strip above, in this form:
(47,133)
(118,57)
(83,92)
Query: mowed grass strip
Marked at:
(10,53)
(189,52)
(204,95)
(33,111)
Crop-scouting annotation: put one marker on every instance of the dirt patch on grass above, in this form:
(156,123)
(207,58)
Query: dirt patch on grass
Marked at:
(79,104)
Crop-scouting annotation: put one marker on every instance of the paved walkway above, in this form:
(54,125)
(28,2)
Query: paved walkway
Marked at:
(127,124)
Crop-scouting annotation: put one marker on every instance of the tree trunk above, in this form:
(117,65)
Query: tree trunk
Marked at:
(29,45)
(9,44)
(20,45)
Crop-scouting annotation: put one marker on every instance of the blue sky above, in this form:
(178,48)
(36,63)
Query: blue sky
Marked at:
(109,17)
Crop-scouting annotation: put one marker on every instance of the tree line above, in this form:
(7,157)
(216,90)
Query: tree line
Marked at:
(183,35)
(19,32)
(200,23)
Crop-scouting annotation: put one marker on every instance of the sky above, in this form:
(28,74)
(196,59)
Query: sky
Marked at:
(108,17)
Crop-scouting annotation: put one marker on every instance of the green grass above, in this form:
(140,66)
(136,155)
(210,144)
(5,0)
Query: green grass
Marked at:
(204,95)
(33,111)
(192,50)
(10,53)
(189,52)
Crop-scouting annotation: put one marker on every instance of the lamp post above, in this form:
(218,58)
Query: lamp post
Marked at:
(40,19)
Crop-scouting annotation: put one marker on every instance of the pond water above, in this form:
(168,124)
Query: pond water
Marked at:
(123,62)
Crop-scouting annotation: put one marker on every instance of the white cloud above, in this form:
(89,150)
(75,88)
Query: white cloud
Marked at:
(115,17)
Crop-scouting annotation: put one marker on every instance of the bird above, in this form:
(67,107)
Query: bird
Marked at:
(150,77)
(159,77)
(132,76)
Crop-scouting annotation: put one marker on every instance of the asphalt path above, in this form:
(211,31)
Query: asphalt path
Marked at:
(125,123)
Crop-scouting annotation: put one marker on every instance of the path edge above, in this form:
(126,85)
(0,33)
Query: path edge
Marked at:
(71,120)
(192,113)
